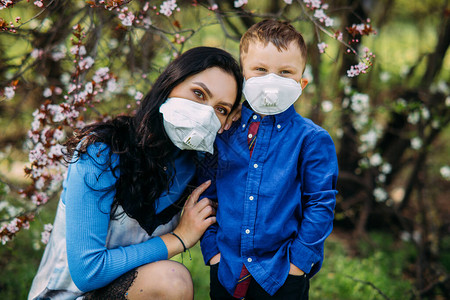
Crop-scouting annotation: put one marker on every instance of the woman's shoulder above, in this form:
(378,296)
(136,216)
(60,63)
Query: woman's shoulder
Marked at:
(100,155)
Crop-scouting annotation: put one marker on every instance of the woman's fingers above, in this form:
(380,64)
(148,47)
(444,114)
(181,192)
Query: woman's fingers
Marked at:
(233,116)
(193,198)
(207,211)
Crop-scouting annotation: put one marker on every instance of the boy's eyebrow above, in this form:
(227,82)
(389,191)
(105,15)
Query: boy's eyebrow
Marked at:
(204,87)
(288,66)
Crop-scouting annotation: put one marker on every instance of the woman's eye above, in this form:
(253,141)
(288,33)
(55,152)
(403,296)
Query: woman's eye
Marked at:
(199,94)
(260,69)
(285,72)
(222,111)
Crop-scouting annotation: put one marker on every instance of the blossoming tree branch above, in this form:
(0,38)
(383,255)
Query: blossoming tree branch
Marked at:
(78,62)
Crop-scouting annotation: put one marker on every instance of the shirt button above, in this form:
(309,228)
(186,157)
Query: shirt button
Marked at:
(278,126)
(255,166)
(250,135)
(247,231)
(251,198)
(255,117)
(249,259)
(243,125)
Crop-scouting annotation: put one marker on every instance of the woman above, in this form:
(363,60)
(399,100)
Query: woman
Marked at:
(118,221)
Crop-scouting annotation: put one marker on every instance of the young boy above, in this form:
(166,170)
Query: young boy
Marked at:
(275,179)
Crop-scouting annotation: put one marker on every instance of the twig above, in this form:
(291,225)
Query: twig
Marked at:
(369,284)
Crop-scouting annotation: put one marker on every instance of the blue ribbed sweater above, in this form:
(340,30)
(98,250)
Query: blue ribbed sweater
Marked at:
(88,209)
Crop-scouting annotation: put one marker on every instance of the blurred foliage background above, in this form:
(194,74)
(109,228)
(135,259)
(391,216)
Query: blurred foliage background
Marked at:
(390,125)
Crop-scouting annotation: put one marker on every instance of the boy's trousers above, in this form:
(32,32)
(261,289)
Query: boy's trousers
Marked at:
(295,287)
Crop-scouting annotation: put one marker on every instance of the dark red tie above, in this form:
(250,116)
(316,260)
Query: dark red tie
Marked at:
(244,278)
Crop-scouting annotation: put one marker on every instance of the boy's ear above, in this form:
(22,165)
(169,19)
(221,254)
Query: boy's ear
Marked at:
(303,82)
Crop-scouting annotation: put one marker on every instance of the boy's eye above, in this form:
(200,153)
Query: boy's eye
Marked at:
(285,72)
(199,94)
(260,69)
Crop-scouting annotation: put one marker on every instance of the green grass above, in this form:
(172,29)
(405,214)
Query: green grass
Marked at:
(341,276)
(382,265)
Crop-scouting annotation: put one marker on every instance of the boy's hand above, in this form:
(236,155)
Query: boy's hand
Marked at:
(215,259)
(233,116)
(294,270)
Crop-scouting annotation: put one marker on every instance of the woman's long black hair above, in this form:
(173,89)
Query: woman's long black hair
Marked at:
(140,140)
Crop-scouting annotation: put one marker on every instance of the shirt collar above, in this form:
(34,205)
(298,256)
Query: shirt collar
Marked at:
(279,120)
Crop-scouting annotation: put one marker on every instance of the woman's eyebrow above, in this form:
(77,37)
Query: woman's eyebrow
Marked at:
(226,104)
(204,87)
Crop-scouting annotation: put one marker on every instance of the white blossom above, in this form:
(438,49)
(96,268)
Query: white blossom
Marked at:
(89,88)
(425,113)
(82,51)
(86,63)
(445,172)
(239,3)
(9,92)
(382,178)
(168,6)
(36,53)
(414,117)
(56,151)
(386,168)
(45,235)
(47,92)
(320,14)
(322,46)
(380,194)
(111,86)
(405,236)
(127,19)
(327,106)
(58,135)
(138,96)
(376,160)
(329,22)
(416,143)
(359,102)
(57,112)
(58,55)
(385,76)
(39,184)
(370,138)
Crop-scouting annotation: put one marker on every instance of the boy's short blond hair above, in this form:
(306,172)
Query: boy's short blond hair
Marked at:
(279,33)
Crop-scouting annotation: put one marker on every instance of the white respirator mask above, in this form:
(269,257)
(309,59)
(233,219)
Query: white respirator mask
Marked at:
(271,94)
(190,125)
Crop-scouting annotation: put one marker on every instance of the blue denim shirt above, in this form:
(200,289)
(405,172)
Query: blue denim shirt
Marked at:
(275,207)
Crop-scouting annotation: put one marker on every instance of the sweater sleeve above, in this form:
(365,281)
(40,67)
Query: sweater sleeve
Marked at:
(88,198)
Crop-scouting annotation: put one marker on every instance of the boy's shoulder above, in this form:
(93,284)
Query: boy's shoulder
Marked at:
(306,126)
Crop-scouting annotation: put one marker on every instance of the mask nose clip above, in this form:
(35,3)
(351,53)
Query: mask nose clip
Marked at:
(270,97)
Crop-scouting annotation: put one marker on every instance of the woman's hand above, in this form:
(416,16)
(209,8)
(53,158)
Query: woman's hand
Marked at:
(197,216)
(233,116)
(294,270)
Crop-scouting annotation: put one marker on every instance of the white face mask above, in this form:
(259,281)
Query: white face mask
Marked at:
(190,125)
(271,94)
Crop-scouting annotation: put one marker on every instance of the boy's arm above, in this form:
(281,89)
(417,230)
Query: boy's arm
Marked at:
(206,170)
(318,169)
